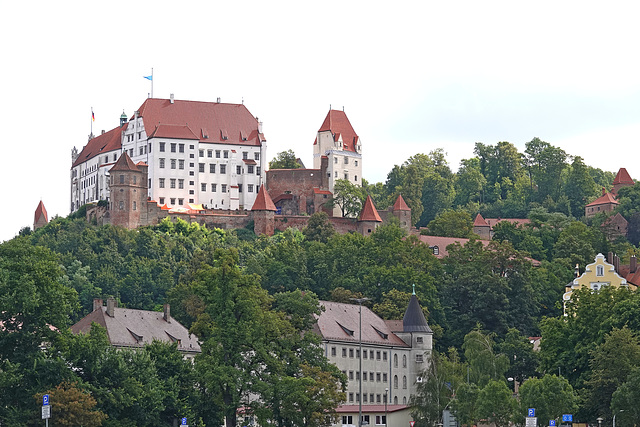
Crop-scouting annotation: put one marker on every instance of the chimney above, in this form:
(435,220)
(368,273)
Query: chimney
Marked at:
(171,98)
(97,303)
(610,257)
(167,313)
(259,127)
(616,263)
(102,132)
(218,100)
(577,271)
(604,191)
(111,305)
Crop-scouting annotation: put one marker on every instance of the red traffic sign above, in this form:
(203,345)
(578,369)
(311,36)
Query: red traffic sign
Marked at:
(412,423)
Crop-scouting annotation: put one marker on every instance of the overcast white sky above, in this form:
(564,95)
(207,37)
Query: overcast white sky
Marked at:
(412,77)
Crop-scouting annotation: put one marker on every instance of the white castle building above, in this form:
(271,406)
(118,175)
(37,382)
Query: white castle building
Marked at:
(207,153)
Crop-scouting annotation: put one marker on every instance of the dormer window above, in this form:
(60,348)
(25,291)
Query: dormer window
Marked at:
(382,334)
(345,329)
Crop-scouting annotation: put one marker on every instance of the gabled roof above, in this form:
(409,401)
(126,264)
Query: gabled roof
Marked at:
(400,204)
(173,132)
(135,328)
(340,322)
(414,320)
(480,222)
(338,124)
(207,121)
(623,177)
(369,212)
(606,198)
(263,201)
(124,163)
(41,213)
(108,141)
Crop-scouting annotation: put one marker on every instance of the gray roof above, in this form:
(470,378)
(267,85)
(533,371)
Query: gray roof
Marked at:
(135,328)
(341,322)
(414,320)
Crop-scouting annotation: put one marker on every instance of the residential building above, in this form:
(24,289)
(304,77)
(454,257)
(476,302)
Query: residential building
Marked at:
(208,153)
(394,355)
(129,328)
(605,203)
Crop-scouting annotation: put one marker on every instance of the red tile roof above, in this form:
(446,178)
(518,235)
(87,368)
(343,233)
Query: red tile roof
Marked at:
(480,222)
(605,199)
(400,204)
(338,124)
(40,212)
(263,201)
(316,190)
(217,120)
(104,143)
(369,212)
(173,132)
(124,163)
(623,177)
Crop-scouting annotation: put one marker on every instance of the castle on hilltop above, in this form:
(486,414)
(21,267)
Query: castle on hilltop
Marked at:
(205,162)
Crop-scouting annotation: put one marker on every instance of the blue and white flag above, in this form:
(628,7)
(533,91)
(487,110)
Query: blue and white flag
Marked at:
(148,77)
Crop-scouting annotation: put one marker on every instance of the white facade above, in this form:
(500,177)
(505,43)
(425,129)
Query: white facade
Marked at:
(343,164)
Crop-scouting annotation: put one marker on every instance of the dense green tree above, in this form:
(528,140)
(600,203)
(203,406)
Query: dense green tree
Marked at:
(72,406)
(624,402)
(285,160)
(580,187)
(319,228)
(348,197)
(469,182)
(546,165)
(451,223)
(522,358)
(496,403)
(484,364)
(551,395)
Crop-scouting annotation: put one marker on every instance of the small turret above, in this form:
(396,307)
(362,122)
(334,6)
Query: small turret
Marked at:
(123,119)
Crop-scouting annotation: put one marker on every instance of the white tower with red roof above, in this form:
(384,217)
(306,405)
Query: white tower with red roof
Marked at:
(339,142)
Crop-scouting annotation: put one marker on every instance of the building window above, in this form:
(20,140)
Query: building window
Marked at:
(333,351)
(419,340)
(161,182)
(121,179)
(214,188)
(181,148)
(161,163)
(335,175)
(371,376)
(351,352)
(378,398)
(250,169)
(181,202)
(223,169)
(419,358)
(404,360)
(384,355)
(371,355)
(600,270)
(192,192)
(395,360)
(225,154)
(348,419)
(355,178)
(224,188)
(250,188)
(395,381)
(212,168)
(245,155)
(239,188)
(180,164)
(364,398)
(346,160)
(173,163)
(346,176)
(115,157)
(335,160)
(173,201)
(364,376)
(201,153)
(257,170)
(356,162)
(209,153)
(172,183)
(364,354)
(162,147)
(181,184)
(358,375)
(200,167)
(134,205)
(173,147)
(256,156)
(344,352)
(239,170)
(217,154)
(378,377)
(203,187)
(121,205)
(350,375)
(384,377)
(141,151)
(162,200)
(404,382)
(378,355)
(381,420)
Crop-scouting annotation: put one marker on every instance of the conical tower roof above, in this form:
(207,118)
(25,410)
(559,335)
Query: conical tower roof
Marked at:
(414,320)
(263,201)
(369,211)
(400,204)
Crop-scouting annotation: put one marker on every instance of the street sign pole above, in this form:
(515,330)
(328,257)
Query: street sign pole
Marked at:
(46,409)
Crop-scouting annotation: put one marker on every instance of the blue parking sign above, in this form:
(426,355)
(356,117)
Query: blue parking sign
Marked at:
(552,423)
(45,400)
(567,418)
(531,412)
(183,421)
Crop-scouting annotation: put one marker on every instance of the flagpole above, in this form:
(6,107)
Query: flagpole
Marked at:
(92,121)
(151,82)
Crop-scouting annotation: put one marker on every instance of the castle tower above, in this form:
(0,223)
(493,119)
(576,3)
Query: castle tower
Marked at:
(622,179)
(338,141)
(369,218)
(482,228)
(128,193)
(401,211)
(40,218)
(263,211)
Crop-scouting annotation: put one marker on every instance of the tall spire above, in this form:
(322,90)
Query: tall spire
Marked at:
(414,320)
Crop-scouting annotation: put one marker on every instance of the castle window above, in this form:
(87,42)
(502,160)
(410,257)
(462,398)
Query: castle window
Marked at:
(172,183)
(419,340)
(209,153)
(201,153)
(181,184)
(135,179)
(200,167)
(245,155)
(134,205)
(404,382)
(121,205)
(224,188)
(333,351)
(356,162)
(395,381)
(161,183)
(256,156)
(257,170)
(181,148)
(121,179)
(223,169)
(335,160)
(419,358)
(239,170)
(404,360)
(217,154)
(225,154)
(214,188)
(600,270)
(115,157)
(395,360)
(173,201)
(346,160)
(141,151)
(180,164)
(173,163)
(162,147)
(212,168)
(161,163)
(346,176)
(355,178)
(173,147)
(181,202)
(239,188)
(162,200)
(250,169)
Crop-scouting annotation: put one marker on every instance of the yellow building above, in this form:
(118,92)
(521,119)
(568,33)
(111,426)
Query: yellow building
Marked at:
(596,276)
